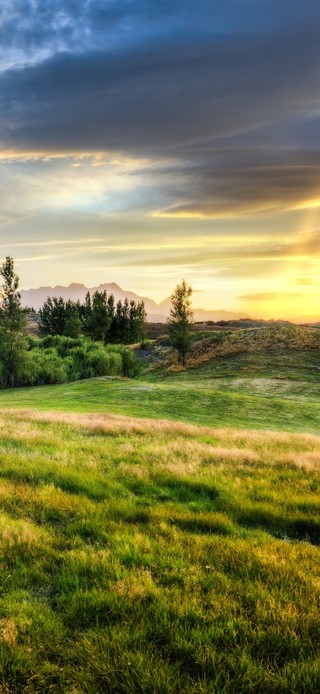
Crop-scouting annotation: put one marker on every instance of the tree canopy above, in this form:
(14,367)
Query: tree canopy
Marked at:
(98,318)
(13,320)
(181,320)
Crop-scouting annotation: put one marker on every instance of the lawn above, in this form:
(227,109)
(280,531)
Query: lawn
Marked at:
(194,397)
(148,556)
(254,379)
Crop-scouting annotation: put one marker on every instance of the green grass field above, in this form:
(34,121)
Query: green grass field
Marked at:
(178,399)
(143,556)
(272,385)
(155,555)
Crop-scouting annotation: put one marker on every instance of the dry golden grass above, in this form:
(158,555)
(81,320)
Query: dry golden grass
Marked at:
(308,460)
(181,448)
(138,586)
(112,422)
(14,533)
(109,423)
(9,632)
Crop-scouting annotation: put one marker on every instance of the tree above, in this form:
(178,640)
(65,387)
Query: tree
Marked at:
(13,320)
(72,326)
(181,320)
(97,317)
(60,317)
(137,322)
(116,324)
(52,316)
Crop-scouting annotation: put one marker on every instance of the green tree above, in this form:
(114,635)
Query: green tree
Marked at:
(72,326)
(116,324)
(181,320)
(97,316)
(53,316)
(60,317)
(137,321)
(13,320)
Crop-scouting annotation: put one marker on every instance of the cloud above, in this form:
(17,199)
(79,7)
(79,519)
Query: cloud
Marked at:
(220,252)
(221,99)
(34,27)
(158,95)
(304,280)
(247,183)
(270,296)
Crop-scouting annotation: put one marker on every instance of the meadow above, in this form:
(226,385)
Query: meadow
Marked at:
(161,534)
(143,556)
(254,379)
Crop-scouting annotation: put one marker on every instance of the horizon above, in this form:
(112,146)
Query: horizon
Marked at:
(217,309)
(145,144)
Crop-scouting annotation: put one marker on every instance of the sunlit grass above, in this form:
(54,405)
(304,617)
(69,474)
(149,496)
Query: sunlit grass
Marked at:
(187,398)
(149,556)
(261,378)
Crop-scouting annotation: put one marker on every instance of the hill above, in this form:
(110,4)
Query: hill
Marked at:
(155,312)
(273,339)
(143,556)
(77,292)
(263,378)
(274,351)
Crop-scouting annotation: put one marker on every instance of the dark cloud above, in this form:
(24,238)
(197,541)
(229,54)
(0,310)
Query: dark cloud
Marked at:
(78,25)
(229,93)
(244,182)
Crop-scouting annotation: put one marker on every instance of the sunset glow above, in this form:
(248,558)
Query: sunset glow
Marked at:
(146,142)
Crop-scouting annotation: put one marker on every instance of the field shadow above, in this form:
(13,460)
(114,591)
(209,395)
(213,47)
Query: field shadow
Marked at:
(167,488)
(204,526)
(307,530)
(96,490)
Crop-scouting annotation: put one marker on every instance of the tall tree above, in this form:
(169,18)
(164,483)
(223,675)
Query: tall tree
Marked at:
(137,321)
(181,320)
(72,326)
(13,320)
(97,316)
(53,316)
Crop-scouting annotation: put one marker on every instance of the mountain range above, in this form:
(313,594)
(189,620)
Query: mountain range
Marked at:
(156,313)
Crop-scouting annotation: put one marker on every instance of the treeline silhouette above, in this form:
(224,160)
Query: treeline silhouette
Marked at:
(99,318)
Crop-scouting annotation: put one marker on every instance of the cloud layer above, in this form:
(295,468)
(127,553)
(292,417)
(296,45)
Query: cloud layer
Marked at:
(146,141)
(226,95)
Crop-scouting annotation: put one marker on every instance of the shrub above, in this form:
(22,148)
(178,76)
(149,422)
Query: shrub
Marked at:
(58,359)
(42,367)
(130,364)
(116,364)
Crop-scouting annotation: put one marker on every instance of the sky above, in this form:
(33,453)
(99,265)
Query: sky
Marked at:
(146,141)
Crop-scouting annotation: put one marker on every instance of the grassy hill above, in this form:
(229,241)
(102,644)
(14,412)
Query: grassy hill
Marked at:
(256,349)
(143,556)
(257,378)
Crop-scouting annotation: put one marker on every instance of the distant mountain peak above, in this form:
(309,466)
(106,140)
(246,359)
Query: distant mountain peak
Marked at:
(156,313)
(110,286)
